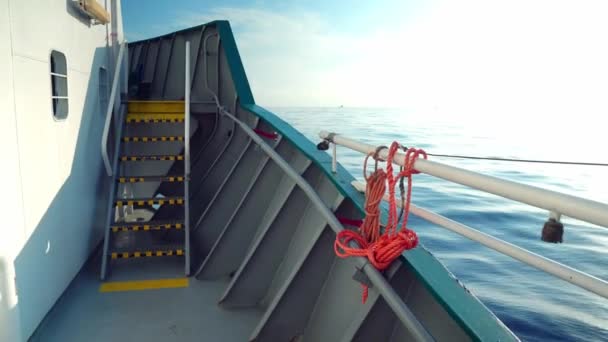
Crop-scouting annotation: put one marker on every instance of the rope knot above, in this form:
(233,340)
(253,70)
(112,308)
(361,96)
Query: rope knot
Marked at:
(381,249)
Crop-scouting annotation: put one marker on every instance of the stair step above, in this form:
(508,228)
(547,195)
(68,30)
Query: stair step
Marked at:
(156,107)
(153,139)
(150,201)
(160,252)
(154,117)
(153,157)
(141,179)
(146,226)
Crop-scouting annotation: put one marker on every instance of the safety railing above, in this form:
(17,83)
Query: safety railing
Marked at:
(556,203)
(109,140)
(187,88)
(377,280)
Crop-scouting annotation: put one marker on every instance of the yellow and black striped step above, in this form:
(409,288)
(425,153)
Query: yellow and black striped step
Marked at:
(156,107)
(152,157)
(150,201)
(141,179)
(154,118)
(153,139)
(145,226)
(147,253)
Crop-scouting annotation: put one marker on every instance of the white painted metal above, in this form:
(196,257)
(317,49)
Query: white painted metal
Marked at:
(187,111)
(13,230)
(46,159)
(112,108)
(392,298)
(575,207)
(573,276)
(187,88)
(555,216)
(334,159)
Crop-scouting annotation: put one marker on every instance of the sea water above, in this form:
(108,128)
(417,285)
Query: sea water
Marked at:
(533,304)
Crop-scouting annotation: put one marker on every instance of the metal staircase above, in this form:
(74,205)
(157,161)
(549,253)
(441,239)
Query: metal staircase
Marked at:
(148,213)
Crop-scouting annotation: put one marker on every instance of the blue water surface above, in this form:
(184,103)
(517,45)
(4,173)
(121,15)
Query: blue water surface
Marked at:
(534,305)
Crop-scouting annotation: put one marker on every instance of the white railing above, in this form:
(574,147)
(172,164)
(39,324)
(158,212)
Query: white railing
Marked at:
(187,87)
(114,105)
(187,111)
(556,203)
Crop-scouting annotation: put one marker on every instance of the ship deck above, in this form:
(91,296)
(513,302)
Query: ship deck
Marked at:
(191,313)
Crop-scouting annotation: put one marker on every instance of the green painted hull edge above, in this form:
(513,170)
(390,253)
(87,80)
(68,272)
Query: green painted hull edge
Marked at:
(463,306)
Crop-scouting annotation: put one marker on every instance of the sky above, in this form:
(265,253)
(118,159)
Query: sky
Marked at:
(532,61)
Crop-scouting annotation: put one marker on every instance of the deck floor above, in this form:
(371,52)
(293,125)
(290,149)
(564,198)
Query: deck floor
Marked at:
(190,313)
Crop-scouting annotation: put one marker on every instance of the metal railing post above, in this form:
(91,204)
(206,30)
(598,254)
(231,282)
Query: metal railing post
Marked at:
(187,156)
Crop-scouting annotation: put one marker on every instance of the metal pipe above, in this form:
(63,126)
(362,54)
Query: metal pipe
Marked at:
(334,159)
(125,73)
(392,298)
(110,110)
(221,152)
(205,65)
(569,274)
(187,111)
(575,207)
(187,87)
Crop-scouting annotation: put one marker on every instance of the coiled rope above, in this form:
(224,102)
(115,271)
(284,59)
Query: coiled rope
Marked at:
(381,249)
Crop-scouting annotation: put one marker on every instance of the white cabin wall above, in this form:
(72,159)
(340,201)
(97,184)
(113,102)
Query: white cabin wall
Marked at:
(12,233)
(58,190)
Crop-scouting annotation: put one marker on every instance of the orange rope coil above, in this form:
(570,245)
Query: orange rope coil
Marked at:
(381,249)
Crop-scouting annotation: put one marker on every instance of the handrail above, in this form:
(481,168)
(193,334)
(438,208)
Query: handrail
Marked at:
(572,206)
(187,87)
(205,65)
(573,276)
(110,216)
(569,274)
(112,108)
(187,111)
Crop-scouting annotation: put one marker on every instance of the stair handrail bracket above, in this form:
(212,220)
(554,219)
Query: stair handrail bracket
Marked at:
(114,103)
(556,203)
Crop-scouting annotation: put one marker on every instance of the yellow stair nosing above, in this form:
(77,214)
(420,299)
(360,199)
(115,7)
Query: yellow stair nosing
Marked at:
(156,101)
(139,285)
(156,107)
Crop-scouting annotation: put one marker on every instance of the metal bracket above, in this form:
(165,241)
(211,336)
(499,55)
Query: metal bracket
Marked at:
(555,215)
(362,278)
(330,137)
(334,159)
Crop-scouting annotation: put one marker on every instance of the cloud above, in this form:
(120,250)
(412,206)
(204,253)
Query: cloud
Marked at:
(517,60)
(290,58)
